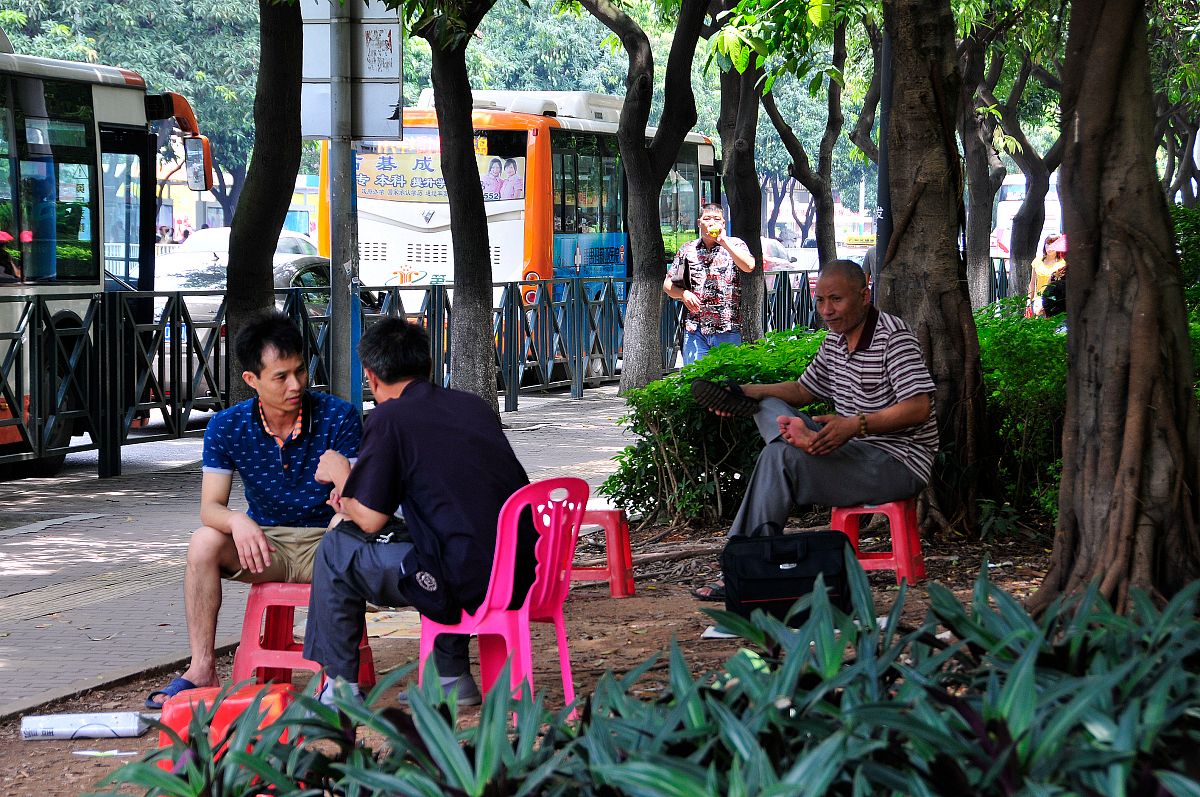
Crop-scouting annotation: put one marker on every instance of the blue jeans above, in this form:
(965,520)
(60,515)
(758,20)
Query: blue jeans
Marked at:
(696,345)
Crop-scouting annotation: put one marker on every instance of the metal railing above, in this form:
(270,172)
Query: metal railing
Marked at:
(100,364)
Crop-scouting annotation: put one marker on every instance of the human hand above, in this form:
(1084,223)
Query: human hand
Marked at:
(332,468)
(335,501)
(836,431)
(691,301)
(254,550)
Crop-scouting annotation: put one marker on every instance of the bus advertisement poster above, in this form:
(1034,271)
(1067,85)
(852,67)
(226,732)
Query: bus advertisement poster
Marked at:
(417,177)
(593,254)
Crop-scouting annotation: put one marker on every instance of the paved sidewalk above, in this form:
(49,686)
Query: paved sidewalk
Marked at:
(91,570)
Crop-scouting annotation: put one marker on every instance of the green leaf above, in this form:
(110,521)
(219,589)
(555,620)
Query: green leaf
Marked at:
(1178,784)
(818,12)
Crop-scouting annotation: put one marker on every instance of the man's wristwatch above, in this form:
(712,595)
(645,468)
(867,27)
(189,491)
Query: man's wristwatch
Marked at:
(862,425)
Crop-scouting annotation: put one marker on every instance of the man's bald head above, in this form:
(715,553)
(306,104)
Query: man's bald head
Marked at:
(848,270)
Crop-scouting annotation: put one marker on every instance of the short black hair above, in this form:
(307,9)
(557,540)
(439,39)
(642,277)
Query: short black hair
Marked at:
(395,350)
(846,268)
(707,206)
(268,328)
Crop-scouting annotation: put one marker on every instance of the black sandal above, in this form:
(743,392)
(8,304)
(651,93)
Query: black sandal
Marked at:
(726,397)
(716,592)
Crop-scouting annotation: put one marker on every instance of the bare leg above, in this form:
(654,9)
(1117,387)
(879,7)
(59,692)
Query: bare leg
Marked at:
(210,551)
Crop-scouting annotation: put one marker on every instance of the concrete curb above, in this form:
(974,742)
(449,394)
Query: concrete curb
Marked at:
(114,678)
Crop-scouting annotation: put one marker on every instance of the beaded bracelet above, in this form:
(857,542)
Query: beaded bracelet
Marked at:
(862,425)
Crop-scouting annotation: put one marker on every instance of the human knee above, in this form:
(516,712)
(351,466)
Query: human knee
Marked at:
(207,546)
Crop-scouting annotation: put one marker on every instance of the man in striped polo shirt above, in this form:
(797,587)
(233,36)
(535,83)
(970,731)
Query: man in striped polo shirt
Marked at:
(879,444)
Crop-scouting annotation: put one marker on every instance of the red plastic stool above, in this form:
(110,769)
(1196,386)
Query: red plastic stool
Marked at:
(619,572)
(268,645)
(177,711)
(905,557)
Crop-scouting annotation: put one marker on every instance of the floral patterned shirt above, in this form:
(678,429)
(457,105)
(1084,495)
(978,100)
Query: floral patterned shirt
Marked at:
(716,281)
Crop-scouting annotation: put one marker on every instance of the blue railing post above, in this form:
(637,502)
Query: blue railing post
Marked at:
(512,352)
(435,317)
(110,386)
(577,335)
(356,372)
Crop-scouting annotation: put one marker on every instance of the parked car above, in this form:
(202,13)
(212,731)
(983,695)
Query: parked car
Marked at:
(775,258)
(199,264)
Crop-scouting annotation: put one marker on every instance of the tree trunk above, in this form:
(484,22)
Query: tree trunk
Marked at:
(646,168)
(923,276)
(272,176)
(227,196)
(472,347)
(985,170)
(1130,492)
(738,128)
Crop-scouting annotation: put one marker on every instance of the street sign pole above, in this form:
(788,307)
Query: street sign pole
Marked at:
(343,238)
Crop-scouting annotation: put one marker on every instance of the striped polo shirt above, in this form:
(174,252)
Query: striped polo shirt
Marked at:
(884,369)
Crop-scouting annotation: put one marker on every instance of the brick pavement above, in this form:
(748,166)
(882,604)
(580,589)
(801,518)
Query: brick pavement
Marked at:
(101,593)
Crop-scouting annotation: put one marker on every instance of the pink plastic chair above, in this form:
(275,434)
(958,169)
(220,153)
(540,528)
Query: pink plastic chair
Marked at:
(502,631)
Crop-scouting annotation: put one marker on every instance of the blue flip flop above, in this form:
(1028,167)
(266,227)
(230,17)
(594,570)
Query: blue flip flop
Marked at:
(170,690)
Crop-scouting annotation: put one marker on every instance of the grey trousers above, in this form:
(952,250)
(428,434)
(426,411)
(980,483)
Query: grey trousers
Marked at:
(350,570)
(856,473)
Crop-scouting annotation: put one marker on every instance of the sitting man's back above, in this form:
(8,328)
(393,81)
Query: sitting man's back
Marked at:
(442,457)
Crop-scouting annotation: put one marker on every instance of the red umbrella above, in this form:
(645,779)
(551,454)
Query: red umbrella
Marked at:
(5,237)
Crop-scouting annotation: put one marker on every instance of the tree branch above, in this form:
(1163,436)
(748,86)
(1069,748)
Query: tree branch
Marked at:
(861,134)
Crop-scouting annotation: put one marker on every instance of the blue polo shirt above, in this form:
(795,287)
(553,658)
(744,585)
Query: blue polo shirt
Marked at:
(280,482)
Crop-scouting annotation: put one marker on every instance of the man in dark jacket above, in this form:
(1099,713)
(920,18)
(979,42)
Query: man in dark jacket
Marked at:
(439,455)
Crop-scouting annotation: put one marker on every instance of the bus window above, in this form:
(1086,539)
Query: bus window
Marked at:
(557,160)
(610,197)
(122,214)
(569,195)
(589,193)
(57,149)
(10,271)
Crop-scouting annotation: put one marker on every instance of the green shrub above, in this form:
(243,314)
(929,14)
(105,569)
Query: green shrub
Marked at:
(1187,241)
(1084,702)
(688,462)
(1025,376)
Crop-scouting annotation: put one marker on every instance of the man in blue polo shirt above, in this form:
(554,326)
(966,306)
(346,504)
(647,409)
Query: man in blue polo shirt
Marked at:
(275,442)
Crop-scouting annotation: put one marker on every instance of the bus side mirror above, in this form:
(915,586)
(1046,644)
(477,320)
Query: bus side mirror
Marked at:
(198,163)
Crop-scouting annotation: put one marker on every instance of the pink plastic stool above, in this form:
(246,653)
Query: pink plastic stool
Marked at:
(619,572)
(272,653)
(905,557)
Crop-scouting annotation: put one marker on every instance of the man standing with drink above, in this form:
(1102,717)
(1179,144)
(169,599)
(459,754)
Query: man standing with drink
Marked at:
(706,277)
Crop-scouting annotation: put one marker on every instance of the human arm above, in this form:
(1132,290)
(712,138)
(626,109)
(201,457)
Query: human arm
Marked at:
(254,550)
(838,429)
(334,468)
(690,300)
(738,251)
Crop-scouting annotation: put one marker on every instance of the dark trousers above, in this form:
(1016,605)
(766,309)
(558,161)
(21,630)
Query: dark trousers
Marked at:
(350,569)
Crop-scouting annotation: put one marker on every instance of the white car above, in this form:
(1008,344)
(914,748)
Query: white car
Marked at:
(199,262)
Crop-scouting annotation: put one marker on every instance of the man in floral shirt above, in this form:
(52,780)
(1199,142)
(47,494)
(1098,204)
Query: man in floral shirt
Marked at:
(706,277)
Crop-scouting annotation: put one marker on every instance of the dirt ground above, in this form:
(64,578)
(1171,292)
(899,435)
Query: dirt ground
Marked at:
(603,634)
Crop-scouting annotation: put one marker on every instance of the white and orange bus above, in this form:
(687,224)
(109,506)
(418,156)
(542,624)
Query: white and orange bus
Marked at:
(77,213)
(554,189)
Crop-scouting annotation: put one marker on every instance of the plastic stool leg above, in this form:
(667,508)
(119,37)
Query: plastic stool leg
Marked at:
(620,559)
(278,622)
(366,663)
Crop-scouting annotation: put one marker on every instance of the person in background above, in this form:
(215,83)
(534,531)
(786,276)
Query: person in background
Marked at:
(1043,267)
(706,278)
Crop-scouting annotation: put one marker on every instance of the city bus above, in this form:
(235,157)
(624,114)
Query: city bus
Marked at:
(77,218)
(554,190)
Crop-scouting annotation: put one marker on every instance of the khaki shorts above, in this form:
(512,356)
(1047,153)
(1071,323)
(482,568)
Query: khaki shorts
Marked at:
(292,560)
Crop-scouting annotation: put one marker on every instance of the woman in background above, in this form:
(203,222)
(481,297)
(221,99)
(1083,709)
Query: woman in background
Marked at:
(1043,267)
